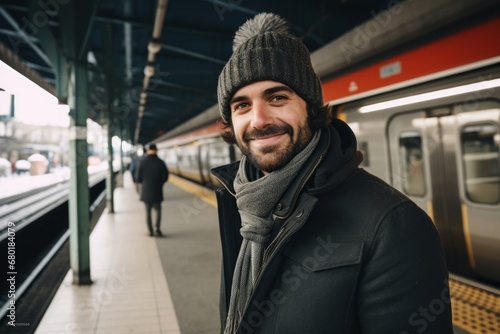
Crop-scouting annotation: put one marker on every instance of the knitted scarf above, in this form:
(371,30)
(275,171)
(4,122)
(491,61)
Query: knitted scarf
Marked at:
(256,201)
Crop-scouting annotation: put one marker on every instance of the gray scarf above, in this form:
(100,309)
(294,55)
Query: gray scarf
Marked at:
(256,201)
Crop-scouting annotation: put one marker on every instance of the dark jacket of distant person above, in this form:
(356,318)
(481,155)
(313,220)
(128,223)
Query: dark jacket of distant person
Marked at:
(152,173)
(352,256)
(136,161)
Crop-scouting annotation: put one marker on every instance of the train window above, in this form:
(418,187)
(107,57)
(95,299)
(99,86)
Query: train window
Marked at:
(412,164)
(480,147)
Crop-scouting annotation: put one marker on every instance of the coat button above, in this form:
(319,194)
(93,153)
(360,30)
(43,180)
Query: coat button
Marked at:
(279,206)
(299,214)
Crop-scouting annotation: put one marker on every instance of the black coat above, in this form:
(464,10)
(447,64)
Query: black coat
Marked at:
(353,254)
(152,173)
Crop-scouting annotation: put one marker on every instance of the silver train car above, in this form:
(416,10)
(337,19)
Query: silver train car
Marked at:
(195,153)
(432,130)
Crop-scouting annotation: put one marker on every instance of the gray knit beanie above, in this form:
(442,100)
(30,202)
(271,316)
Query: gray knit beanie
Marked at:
(263,49)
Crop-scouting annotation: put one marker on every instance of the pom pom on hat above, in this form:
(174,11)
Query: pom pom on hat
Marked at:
(260,24)
(263,49)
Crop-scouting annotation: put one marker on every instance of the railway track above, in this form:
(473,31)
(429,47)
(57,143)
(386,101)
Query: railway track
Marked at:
(34,227)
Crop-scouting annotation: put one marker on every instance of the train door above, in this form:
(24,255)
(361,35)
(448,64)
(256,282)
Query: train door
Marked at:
(479,137)
(432,162)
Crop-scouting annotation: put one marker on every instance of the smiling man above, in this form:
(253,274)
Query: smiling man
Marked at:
(311,242)
(272,126)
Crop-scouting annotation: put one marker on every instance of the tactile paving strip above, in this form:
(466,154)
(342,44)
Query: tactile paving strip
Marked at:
(475,310)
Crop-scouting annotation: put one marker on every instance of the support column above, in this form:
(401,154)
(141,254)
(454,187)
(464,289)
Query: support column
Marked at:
(110,179)
(110,119)
(122,137)
(79,216)
(71,67)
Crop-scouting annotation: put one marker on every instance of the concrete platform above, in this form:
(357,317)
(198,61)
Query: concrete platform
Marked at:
(131,271)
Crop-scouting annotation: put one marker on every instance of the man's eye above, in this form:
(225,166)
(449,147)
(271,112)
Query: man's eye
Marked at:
(278,98)
(240,106)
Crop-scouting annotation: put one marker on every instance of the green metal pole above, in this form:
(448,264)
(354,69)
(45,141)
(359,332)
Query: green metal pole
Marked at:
(110,180)
(122,163)
(79,216)
(70,66)
(110,119)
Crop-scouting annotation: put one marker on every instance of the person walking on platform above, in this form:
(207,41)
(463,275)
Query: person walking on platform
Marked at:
(134,166)
(152,173)
(311,242)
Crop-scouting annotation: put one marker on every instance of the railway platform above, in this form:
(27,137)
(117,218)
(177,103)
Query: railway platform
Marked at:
(144,284)
(170,284)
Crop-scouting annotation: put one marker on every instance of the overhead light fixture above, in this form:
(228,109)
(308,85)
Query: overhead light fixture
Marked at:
(154,46)
(149,70)
(474,87)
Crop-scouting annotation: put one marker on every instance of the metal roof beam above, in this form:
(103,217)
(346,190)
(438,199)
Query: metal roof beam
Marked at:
(24,36)
(122,20)
(139,23)
(16,34)
(193,54)
(181,87)
(127,31)
(230,6)
(164,97)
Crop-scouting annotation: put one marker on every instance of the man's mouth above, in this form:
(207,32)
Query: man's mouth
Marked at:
(266,140)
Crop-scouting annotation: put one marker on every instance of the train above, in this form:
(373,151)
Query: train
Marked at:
(427,119)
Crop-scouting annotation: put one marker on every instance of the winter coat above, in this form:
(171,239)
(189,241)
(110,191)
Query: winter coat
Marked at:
(152,173)
(350,253)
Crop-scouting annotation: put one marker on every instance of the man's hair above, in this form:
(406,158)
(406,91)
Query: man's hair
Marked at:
(153,147)
(317,118)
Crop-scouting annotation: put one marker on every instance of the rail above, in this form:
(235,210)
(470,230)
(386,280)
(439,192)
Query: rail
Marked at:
(26,206)
(37,208)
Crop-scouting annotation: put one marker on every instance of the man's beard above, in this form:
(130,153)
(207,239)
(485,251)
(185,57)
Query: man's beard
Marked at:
(281,156)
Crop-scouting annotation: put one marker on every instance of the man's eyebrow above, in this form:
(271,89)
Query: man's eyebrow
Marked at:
(238,99)
(276,89)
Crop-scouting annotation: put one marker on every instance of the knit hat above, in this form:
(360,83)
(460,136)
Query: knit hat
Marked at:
(263,49)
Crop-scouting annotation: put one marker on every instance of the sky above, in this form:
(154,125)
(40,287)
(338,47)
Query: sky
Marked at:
(33,104)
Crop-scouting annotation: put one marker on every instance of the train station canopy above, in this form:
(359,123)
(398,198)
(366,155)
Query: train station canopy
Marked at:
(154,64)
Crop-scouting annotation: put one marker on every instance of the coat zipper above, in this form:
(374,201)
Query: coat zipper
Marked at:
(224,184)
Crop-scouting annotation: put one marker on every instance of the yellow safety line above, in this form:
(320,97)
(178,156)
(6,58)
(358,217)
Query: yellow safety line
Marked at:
(468,242)
(197,190)
(430,211)
(474,310)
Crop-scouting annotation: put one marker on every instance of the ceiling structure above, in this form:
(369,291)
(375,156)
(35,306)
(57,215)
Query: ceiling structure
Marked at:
(155,63)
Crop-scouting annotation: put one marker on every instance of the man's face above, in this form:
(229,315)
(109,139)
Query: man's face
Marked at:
(270,124)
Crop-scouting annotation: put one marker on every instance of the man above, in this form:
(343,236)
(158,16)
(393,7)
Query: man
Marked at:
(312,243)
(152,173)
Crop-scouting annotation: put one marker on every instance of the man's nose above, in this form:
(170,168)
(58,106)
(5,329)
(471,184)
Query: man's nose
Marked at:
(261,116)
